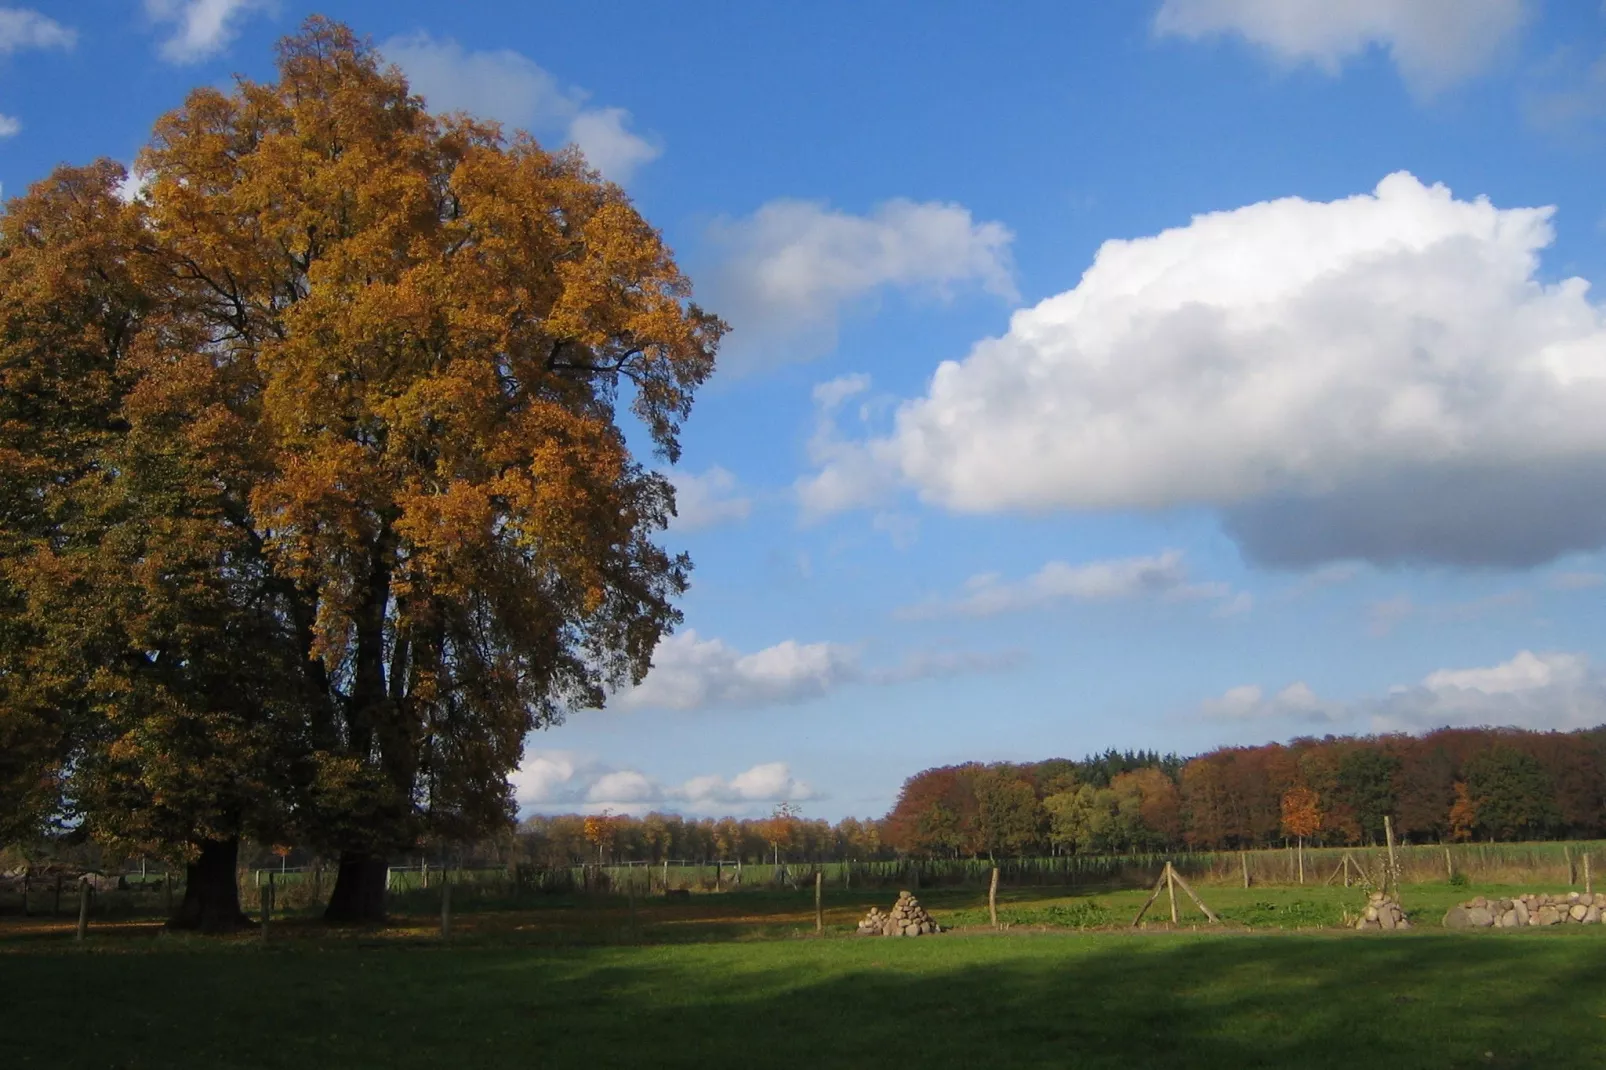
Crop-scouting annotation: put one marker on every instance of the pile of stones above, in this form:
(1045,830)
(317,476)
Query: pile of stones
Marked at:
(1383,912)
(1571,908)
(907,918)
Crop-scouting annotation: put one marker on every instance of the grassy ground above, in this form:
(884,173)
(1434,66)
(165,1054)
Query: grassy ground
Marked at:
(732,979)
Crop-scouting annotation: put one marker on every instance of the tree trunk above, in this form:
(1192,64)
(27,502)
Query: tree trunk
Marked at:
(211,891)
(359,893)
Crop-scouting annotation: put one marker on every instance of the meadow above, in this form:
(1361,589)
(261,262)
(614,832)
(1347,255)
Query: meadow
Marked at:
(729,979)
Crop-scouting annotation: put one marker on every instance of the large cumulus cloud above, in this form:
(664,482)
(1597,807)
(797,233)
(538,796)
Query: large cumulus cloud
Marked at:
(1384,377)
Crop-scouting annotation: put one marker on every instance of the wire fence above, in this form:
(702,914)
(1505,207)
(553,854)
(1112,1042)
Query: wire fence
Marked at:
(305,888)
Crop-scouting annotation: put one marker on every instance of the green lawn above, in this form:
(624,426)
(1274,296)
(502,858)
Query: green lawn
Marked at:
(740,980)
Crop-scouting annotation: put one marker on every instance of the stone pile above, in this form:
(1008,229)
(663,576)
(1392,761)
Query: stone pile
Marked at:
(1570,908)
(1383,913)
(907,918)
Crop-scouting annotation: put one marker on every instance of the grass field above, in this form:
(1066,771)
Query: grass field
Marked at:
(737,980)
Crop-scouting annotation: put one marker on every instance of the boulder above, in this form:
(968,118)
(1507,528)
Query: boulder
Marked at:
(1480,917)
(1547,915)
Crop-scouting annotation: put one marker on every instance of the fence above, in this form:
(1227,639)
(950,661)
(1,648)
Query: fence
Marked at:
(304,888)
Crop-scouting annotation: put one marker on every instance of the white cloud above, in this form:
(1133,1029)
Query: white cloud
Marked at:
(520,94)
(201,28)
(1435,43)
(1296,702)
(791,270)
(1539,691)
(554,780)
(1543,691)
(1382,378)
(615,151)
(22,29)
(692,673)
(707,500)
(1158,576)
(689,672)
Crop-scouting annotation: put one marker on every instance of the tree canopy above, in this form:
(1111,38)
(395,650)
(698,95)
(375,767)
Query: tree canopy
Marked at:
(317,490)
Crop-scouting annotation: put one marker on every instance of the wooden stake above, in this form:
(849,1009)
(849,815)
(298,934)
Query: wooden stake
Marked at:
(992,898)
(1147,903)
(819,902)
(1301,850)
(446,906)
(1391,880)
(1171,890)
(1196,900)
(83,907)
(265,902)
(1572,871)
(1243,858)
(666,874)
(1589,887)
(1449,866)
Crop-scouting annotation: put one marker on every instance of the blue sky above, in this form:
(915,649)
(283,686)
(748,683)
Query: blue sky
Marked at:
(1161,374)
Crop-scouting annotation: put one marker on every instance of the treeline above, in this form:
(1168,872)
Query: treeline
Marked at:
(568,839)
(1450,785)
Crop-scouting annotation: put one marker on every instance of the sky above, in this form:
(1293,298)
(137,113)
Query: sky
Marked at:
(1167,374)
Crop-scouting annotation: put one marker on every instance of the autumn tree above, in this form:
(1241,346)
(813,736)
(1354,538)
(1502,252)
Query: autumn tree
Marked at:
(369,363)
(1007,812)
(1463,813)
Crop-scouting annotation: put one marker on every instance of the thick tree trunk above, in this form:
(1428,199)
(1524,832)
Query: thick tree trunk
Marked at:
(359,894)
(211,891)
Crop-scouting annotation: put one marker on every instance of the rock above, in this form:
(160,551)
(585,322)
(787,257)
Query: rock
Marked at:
(1371,913)
(1591,915)
(1480,917)
(1578,912)
(1521,909)
(1508,920)
(1548,915)
(1458,917)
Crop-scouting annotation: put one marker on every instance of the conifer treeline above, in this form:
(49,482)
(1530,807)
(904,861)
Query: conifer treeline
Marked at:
(1452,784)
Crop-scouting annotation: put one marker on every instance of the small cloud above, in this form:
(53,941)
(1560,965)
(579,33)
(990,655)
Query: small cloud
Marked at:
(514,90)
(1159,576)
(692,673)
(201,28)
(22,29)
(9,126)
(708,500)
(554,780)
(1296,702)
(789,272)
(1240,604)
(1434,45)
(601,134)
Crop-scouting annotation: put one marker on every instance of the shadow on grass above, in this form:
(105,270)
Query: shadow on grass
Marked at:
(1442,1001)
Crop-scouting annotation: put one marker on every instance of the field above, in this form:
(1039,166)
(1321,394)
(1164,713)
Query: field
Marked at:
(726,980)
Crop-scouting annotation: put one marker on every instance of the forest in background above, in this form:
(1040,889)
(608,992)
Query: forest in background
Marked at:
(1451,785)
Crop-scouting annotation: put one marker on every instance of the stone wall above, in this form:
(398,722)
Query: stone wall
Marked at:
(1570,908)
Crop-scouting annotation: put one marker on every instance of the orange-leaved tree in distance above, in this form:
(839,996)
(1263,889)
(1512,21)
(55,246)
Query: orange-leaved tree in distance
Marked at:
(1302,818)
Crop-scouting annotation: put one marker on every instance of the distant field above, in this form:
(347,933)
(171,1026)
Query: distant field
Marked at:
(733,980)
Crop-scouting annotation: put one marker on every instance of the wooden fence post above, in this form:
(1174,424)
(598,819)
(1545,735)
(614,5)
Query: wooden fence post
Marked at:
(1171,890)
(83,907)
(265,897)
(819,903)
(1301,850)
(1449,866)
(446,906)
(992,898)
(1243,857)
(1572,870)
(1392,879)
(1589,887)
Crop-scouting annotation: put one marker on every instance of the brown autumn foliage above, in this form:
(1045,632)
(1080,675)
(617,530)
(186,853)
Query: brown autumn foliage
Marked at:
(1449,784)
(314,467)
